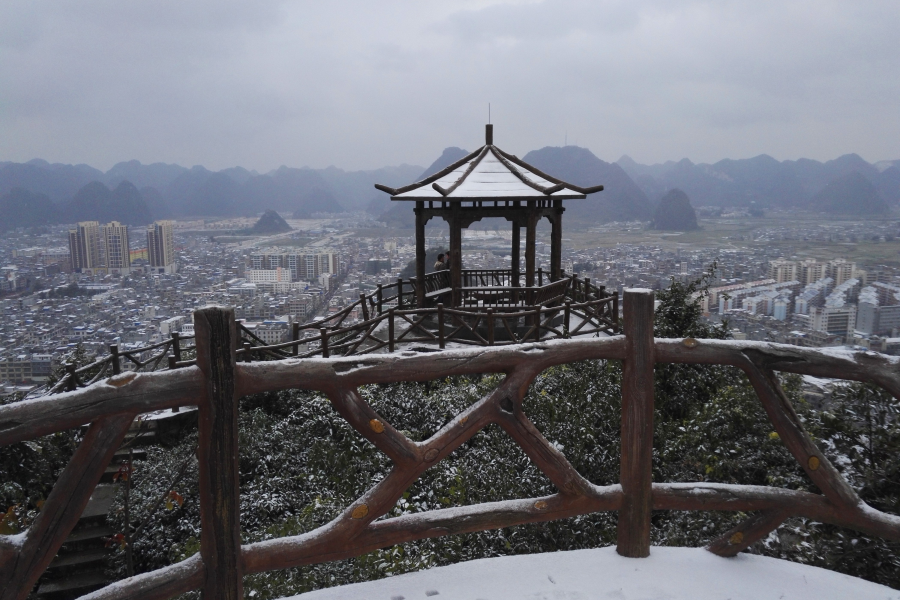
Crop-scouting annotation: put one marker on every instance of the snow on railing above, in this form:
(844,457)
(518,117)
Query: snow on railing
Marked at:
(218,380)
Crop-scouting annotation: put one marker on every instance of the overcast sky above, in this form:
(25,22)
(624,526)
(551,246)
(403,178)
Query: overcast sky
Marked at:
(361,85)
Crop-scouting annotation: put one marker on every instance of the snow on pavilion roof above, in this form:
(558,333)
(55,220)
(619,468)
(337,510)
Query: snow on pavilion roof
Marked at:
(489,174)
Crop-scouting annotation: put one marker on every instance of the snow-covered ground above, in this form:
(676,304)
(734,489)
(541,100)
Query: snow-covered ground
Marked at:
(668,574)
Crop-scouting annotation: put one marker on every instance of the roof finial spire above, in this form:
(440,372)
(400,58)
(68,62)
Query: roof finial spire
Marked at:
(489,134)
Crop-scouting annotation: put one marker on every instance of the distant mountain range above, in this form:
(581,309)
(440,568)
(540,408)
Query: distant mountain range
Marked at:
(770,183)
(134,193)
(39,193)
(845,186)
(620,200)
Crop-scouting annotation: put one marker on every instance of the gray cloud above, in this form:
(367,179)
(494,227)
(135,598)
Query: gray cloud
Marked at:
(361,85)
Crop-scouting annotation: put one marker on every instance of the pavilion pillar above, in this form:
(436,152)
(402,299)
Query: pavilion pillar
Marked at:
(530,243)
(456,254)
(420,254)
(556,242)
(515,266)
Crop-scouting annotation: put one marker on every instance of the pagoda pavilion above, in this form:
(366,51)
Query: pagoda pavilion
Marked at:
(488,183)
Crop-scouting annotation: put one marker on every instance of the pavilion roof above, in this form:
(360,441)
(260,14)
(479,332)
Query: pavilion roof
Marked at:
(489,173)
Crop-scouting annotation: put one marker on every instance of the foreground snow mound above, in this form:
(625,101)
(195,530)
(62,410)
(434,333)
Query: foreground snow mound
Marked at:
(669,574)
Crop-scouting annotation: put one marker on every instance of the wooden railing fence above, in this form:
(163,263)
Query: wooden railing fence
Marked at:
(218,381)
(389,321)
(169,353)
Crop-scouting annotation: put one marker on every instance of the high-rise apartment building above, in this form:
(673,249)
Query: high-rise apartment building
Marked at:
(840,270)
(782,270)
(161,247)
(811,271)
(96,248)
(117,255)
(84,247)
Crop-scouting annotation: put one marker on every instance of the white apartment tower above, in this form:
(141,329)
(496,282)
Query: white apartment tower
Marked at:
(84,246)
(96,248)
(161,247)
(782,270)
(117,254)
(841,270)
(811,271)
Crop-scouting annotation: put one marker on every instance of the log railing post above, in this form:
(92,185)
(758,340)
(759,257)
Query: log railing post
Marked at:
(490,327)
(295,336)
(324,334)
(114,359)
(72,381)
(378,296)
(440,319)
(637,425)
(365,309)
(419,284)
(615,307)
(176,345)
(567,319)
(173,364)
(391,330)
(220,536)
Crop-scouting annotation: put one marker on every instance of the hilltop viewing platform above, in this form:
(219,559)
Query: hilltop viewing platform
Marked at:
(220,376)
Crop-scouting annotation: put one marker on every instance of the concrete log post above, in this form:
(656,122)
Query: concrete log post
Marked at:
(637,425)
(220,535)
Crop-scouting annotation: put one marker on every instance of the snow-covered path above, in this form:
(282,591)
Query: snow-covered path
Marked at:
(669,574)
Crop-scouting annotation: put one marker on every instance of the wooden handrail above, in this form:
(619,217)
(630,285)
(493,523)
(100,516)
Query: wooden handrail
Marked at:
(598,315)
(219,380)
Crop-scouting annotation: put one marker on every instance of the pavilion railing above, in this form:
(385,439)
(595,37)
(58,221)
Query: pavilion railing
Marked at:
(557,317)
(218,380)
(439,326)
(167,354)
(387,319)
(490,278)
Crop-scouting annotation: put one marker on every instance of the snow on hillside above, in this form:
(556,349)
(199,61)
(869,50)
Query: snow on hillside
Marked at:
(669,574)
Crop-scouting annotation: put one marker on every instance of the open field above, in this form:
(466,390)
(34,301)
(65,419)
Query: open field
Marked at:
(796,235)
(799,235)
